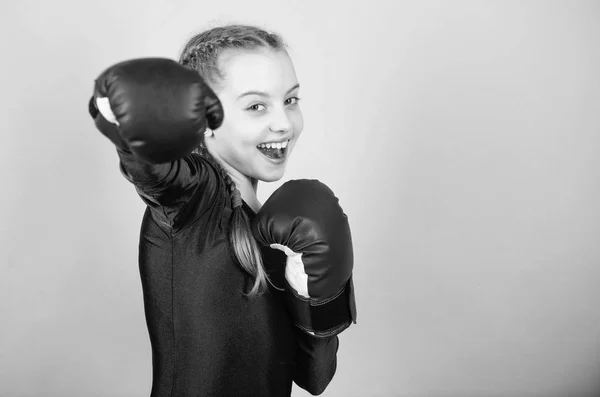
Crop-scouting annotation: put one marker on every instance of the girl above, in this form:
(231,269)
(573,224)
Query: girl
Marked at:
(209,336)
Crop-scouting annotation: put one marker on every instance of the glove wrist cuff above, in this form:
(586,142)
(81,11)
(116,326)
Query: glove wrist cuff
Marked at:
(324,318)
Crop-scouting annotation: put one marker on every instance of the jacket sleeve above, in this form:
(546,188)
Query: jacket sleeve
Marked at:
(316,361)
(171,190)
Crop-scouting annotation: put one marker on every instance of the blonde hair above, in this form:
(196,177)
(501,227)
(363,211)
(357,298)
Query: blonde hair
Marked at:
(201,53)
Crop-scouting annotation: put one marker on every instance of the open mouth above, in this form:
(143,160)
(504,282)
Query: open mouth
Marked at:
(274,150)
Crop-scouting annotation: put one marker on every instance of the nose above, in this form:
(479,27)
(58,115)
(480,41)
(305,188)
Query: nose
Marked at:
(280,121)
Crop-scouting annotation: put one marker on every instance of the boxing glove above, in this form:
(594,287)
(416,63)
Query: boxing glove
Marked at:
(303,218)
(154,108)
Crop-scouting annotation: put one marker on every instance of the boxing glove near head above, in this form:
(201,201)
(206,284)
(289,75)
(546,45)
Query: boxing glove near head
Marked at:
(304,219)
(154,107)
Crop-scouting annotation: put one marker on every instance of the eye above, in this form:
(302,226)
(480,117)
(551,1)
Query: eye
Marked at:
(256,107)
(292,101)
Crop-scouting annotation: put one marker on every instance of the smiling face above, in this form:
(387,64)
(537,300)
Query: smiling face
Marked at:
(259,94)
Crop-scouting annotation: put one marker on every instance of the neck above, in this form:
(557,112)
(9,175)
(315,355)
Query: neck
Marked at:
(246,185)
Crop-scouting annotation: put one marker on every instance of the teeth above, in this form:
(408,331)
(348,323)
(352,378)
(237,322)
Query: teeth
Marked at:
(274,145)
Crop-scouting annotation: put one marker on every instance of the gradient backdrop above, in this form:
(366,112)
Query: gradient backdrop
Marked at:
(462,138)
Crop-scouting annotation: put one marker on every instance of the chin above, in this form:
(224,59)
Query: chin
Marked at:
(272,176)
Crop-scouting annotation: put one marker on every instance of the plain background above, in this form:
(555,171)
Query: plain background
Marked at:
(462,138)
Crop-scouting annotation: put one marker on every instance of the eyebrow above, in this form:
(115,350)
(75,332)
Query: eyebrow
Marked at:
(262,93)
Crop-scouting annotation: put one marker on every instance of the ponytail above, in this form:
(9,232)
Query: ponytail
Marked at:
(241,239)
(246,250)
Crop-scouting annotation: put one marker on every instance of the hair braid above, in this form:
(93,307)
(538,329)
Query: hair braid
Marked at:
(202,51)
(242,241)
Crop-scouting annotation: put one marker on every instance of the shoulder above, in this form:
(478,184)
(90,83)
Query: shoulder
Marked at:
(209,198)
(206,170)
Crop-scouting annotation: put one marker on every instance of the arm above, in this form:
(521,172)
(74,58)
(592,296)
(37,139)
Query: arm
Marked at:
(316,362)
(168,187)
(155,111)
(304,220)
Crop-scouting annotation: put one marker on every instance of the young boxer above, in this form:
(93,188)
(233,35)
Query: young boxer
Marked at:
(240,299)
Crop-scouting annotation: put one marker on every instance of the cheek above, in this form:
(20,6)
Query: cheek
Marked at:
(240,132)
(298,122)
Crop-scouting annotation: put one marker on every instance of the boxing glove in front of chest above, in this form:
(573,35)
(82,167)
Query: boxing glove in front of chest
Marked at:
(304,216)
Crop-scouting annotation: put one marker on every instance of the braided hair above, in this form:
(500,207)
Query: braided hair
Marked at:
(201,53)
